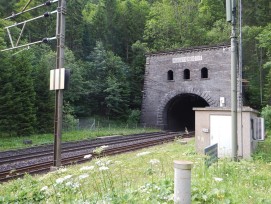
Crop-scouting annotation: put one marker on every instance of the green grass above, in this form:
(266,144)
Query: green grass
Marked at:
(8,143)
(146,176)
(264,151)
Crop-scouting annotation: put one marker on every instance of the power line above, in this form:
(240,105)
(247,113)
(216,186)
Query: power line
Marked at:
(47,3)
(26,5)
(45,15)
(44,40)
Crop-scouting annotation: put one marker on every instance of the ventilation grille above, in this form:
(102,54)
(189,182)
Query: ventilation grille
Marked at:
(258,129)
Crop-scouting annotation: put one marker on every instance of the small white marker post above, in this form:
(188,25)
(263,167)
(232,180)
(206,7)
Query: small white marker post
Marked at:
(182,182)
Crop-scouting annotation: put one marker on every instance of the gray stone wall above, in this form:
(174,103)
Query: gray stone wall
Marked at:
(158,90)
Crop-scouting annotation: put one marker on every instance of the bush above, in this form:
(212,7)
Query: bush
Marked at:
(266,114)
(134,117)
(69,121)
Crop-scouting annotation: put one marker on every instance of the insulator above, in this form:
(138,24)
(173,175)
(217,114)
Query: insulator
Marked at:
(47,14)
(45,40)
(48,3)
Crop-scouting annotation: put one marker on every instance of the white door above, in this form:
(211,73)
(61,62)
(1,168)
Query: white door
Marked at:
(220,133)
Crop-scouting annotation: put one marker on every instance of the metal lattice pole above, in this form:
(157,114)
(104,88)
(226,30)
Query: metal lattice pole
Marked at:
(60,35)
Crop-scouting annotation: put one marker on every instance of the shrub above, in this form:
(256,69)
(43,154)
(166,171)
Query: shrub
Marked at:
(134,117)
(266,114)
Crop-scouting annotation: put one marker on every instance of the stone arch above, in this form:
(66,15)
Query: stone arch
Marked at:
(172,94)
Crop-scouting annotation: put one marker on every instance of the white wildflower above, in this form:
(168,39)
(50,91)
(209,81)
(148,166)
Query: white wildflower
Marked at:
(82,201)
(142,154)
(87,156)
(61,170)
(218,179)
(69,183)
(86,168)
(103,162)
(83,176)
(154,161)
(60,180)
(44,188)
(107,162)
(67,177)
(76,185)
(99,163)
(103,168)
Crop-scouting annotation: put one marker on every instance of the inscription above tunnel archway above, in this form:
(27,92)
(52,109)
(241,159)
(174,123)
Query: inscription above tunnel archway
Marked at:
(169,104)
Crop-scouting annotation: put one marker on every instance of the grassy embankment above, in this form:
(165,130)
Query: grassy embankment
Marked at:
(146,176)
(18,142)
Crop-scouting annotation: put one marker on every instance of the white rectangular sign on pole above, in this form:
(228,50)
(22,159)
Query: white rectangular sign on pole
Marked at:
(57,79)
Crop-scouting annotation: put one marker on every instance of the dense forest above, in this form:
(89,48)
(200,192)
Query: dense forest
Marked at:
(106,42)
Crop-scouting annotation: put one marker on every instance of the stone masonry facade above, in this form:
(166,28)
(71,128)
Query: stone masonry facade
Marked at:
(202,71)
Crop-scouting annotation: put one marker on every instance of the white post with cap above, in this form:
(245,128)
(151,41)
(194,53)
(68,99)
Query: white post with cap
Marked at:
(182,182)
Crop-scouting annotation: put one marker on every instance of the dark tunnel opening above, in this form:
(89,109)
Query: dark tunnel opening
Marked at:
(180,114)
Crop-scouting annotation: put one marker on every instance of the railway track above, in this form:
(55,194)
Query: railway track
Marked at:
(31,153)
(116,145)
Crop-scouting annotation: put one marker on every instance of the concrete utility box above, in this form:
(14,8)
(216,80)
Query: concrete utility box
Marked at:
(213,125)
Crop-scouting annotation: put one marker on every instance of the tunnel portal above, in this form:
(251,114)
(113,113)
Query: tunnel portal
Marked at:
(179,111)
(177,81)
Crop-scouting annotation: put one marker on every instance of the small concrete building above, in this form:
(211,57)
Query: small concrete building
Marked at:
(213,125)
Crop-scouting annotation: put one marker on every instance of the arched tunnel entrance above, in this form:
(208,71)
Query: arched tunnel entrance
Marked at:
(179,111)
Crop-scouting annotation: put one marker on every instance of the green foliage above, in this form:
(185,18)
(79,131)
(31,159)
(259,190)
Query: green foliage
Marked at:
(256,12)
(146,177)
(264,38)
(136,74)
(107,77)
(173,24)
(69,120)
(263,152)
(18,113)
(251,65)
(134,117)
(266,114)
(117,24)
(211,11)
(24,95)
(44,102)
(218,27)
(132,13)
(162,29)
(6,96)
(116,99)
